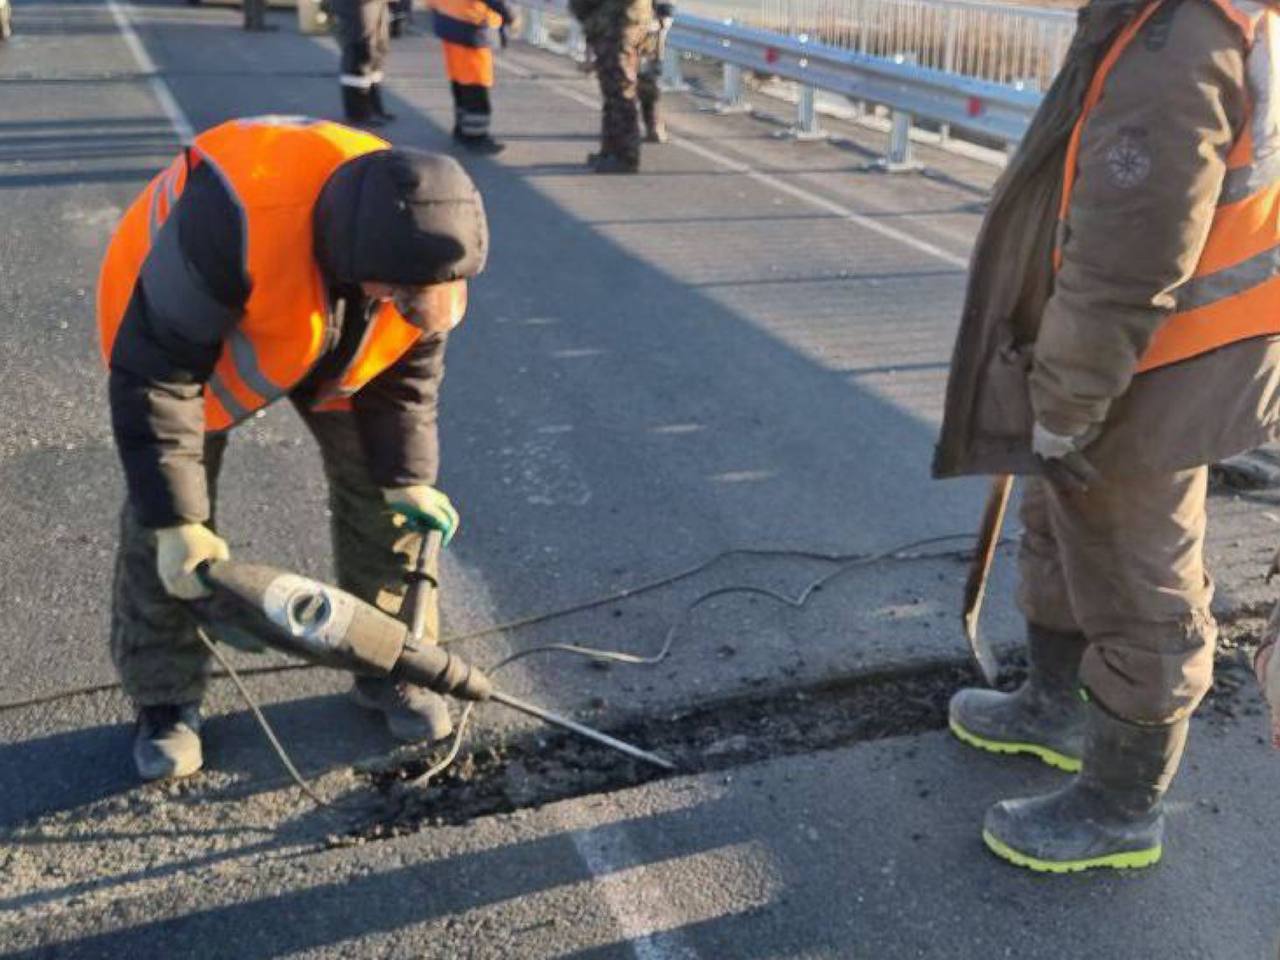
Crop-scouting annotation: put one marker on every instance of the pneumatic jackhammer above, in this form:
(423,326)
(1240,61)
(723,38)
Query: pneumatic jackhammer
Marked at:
(329,627)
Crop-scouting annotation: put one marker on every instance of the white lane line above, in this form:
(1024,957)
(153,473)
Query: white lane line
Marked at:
(641,914)
(771,181)
(177,118)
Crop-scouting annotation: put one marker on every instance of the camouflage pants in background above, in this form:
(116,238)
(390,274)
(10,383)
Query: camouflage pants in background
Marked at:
(617,56)
(647,86)
(154,644)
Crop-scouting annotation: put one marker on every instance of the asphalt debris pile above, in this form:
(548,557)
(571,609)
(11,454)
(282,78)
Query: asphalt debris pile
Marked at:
(542,768)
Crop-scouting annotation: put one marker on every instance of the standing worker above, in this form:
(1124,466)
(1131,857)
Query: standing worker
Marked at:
(648,86)
(466,31)
(615,31)
(277,257)
(364,34)
(1120,333)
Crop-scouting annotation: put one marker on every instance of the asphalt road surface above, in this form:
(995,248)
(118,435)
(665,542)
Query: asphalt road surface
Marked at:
(743,347)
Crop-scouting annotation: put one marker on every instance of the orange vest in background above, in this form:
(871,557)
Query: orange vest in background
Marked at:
(274,169)
(473,12)
(1234,293)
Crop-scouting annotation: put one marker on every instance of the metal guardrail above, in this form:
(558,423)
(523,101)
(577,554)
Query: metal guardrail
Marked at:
(999,42)
(995,112)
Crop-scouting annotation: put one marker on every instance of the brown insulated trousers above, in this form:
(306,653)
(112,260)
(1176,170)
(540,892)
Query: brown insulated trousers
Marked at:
(1124,564)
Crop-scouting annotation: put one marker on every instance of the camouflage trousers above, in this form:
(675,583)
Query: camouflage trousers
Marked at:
(649,78)
(154,644)
(617,57)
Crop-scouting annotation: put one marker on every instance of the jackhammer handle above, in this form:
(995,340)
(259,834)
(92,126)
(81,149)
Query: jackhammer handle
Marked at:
(421,583)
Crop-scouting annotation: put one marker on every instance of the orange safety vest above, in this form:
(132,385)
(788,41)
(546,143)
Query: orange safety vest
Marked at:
(1234,293)
(474,12)
(274,169)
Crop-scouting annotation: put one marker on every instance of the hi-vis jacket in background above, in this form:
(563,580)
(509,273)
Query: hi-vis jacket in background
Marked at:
(1127,273)
(468,31)
(233,280)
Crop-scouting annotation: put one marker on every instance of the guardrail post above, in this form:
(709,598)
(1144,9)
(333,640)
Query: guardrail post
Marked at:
(577,42)
(950,43)
(900,158)
(535,32)
(672,76)
(806,127)
(731,98)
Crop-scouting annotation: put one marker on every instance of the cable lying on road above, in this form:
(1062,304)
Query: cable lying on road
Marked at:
(845,563)
(560,613)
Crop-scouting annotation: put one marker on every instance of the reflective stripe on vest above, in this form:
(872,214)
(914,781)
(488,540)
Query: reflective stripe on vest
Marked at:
(467,11)
(274,170)
(1234,292)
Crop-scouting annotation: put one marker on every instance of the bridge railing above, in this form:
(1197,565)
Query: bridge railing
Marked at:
(981,74)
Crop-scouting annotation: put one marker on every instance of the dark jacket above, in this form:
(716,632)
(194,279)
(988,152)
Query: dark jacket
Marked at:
(190,293)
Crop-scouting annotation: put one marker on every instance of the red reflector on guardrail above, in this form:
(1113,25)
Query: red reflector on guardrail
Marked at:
(770,55)
(974,107)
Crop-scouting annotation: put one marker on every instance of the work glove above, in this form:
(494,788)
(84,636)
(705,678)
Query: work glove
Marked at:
(423,508)
(1266,664)
(179,551)
(1064,464)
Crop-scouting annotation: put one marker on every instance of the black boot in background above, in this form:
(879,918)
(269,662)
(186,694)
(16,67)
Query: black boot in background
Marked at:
(375,104)
(356,106)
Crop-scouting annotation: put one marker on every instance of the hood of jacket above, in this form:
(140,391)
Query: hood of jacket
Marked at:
(402,217)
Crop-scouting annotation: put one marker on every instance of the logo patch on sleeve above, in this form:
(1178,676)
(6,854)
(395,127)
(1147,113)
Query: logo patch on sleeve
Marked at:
(1129,160)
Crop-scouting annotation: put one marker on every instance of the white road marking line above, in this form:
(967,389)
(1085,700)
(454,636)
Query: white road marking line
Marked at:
(177,118)
(769,180)
(641,927)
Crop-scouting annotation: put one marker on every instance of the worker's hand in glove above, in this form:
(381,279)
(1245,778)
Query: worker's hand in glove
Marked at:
(179,551)
(1267,666)
(424,508)
(1064,464)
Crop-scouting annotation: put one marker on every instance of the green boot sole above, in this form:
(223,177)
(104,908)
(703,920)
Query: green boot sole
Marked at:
(1128,860)
(1053,758)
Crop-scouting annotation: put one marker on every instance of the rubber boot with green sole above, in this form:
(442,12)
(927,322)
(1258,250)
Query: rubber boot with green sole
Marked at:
(1044,717)
(1111,815)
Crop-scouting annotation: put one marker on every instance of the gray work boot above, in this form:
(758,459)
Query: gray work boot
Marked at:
(413,714)
(166,741)
(1110,815)
(1043,717)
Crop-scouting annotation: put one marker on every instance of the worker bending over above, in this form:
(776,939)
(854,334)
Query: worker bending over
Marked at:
(467,30)
(1119,334)
(277,257)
